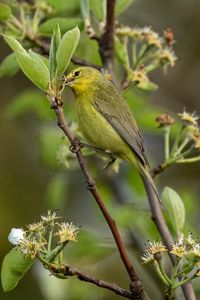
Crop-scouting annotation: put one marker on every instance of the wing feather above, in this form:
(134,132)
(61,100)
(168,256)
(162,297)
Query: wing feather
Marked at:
(115,110)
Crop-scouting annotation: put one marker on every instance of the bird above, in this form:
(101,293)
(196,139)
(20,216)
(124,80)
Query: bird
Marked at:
(106,121)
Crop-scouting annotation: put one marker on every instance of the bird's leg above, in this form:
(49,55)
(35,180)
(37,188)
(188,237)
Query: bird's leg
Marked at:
(77,145)
(93,147)
(111,161)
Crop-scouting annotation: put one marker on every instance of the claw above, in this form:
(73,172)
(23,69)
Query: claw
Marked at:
(76,146)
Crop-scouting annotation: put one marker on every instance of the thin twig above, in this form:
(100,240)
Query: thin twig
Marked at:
(134,236)
(106,41)
(71,271)
(83,62)
(136,284)
(157,170)
(63,271)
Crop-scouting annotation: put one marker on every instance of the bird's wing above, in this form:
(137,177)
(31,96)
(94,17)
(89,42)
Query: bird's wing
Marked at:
(115,110)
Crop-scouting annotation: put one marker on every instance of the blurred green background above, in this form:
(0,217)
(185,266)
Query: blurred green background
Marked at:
(31,181)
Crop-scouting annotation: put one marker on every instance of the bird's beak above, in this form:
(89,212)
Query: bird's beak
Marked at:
(68,80)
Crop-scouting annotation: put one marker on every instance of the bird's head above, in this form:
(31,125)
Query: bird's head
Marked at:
(83,79)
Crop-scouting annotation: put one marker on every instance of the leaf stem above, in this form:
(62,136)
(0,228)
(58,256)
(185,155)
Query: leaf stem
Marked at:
(189,160)
(167,145)
(182,282)
(182,146)
(164,274)
(51,255)
(185,270)
(160,273)
(50,236)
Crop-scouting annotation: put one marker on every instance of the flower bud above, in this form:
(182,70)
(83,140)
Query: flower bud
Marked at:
(15,236)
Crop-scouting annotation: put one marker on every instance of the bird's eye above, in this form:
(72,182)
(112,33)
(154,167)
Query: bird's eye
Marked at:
(76,73)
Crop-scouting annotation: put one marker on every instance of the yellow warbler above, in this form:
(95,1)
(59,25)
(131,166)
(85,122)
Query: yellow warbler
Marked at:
(105,119)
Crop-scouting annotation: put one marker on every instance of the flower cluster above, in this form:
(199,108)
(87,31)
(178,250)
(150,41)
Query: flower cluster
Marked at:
(161,47)
(191,126)
(141,34)
(186,252)
(152,250)
(38,237)
(186,145)
(186,248)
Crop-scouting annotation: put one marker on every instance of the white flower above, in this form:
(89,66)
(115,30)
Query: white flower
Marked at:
(16,235)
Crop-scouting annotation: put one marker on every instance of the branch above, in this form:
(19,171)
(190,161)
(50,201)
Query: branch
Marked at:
(136,284)
(71,271)
(157,170)
(106,41)
(83,62)
(157,217)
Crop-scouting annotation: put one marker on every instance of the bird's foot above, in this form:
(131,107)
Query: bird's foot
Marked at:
(76,146)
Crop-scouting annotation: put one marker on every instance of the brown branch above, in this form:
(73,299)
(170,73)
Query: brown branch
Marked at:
(157,217)
(83,62)
(136,284)
(106,40)
(157,170)
(134,236)
(71,271)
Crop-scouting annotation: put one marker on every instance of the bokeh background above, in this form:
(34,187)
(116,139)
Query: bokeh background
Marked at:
(31,180)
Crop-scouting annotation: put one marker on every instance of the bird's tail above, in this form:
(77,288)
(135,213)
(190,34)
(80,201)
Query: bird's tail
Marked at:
(146,176)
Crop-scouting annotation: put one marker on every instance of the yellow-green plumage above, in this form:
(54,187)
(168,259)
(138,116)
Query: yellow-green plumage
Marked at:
(105,118)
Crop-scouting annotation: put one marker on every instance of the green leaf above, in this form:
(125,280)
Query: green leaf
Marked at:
(14,267)
(14,44)
(65,24)
(9,66)
(66,49)
(122,5)
(175,208)
(55,42)
(32,65)
(5,12)
(39,57)
(35,69)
